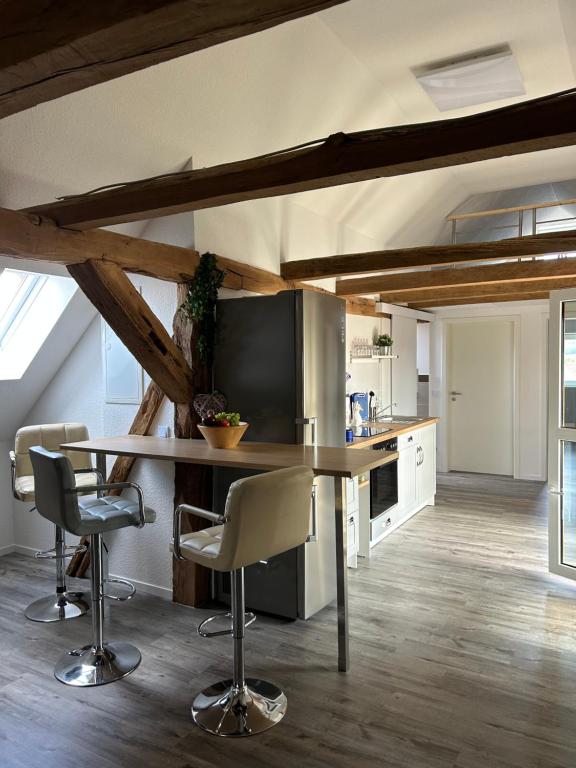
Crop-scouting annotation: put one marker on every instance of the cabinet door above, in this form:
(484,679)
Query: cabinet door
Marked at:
(426,464)
(407,479)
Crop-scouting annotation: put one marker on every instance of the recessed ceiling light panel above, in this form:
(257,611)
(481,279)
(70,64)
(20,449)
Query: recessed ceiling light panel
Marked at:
(475,79)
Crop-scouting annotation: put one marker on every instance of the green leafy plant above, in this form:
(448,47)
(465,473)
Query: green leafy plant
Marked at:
(383,340)
(200,303)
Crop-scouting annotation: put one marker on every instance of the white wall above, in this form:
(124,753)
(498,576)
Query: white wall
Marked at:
(531,347)
(6,516)
(76,393)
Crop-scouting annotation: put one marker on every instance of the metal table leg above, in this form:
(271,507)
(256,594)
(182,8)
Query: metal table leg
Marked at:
(341,575)
(102,469)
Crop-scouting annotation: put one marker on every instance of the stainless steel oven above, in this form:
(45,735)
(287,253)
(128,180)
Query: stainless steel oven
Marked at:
(384,482)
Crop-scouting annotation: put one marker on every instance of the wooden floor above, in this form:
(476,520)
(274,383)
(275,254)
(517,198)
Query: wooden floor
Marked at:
(463,655)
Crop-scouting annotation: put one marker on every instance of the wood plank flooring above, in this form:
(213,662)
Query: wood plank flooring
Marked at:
(463,656)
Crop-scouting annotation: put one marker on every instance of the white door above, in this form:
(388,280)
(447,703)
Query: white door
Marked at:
(480,378)
(562,433)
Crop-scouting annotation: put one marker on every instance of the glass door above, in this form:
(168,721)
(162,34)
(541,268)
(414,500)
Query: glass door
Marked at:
(562,433)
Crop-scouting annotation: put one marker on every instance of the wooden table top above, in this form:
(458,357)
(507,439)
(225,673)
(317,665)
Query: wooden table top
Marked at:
(333,462)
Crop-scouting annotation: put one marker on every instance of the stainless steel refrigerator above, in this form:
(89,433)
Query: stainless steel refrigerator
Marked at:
(280,362)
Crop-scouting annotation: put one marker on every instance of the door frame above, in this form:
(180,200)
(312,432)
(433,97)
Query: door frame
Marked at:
(556,433)
(515,320)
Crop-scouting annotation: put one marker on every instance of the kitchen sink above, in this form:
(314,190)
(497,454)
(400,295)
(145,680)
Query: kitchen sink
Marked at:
(400,419)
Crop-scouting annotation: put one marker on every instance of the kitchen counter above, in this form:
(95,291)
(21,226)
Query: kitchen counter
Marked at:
(386,430)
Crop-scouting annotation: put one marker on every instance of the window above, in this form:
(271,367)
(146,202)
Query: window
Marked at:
(17,292)
(30,306)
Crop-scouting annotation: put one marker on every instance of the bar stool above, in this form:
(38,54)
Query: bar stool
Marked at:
(58,500)
(63,604)
(264,516)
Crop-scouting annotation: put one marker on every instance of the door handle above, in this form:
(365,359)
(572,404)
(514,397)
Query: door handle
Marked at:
(313,535)
(556,493)
(455,393)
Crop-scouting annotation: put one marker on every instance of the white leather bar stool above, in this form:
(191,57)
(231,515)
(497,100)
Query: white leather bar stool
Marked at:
(264,516)
(63,604)
(58,500)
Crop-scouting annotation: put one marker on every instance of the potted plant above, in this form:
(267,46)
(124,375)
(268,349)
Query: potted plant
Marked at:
(384,342)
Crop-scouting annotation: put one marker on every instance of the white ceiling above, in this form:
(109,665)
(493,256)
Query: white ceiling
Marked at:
(348,68)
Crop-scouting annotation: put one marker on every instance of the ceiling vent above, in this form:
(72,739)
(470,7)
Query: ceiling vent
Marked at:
(476,78)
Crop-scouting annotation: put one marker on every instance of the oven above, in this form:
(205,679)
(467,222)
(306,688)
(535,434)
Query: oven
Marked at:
(384,482)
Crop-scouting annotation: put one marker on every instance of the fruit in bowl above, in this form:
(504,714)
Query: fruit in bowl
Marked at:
(222,430)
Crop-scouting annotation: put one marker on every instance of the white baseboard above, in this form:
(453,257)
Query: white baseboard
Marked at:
(7,550)
(143,586)
(28,551)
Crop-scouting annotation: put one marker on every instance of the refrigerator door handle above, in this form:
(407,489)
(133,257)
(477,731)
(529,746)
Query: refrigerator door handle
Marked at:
(313,421)
(313,535)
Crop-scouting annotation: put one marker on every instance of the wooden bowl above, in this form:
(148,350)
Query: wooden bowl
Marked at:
(223,437)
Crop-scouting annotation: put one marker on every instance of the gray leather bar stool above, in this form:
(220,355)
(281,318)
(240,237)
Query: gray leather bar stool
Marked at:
(58,500)
(264,516)
(61,604)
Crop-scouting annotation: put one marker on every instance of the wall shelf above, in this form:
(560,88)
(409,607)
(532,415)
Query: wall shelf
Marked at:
(367,353)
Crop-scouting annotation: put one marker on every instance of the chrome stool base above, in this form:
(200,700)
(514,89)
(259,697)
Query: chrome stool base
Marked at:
(89,666)
(68,605)
(224,710)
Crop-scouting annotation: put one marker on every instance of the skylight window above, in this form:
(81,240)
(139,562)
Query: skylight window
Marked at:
(30,306)
(17,292)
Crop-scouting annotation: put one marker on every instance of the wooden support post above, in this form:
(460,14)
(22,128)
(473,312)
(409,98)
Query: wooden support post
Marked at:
(192,483)
(124,309)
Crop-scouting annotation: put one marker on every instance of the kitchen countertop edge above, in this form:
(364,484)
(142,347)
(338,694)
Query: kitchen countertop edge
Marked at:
(400,429)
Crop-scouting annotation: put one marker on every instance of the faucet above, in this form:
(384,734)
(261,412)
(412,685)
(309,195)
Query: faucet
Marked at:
(379,413)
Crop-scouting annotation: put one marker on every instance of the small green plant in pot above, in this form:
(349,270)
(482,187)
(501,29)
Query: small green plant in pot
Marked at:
(384,341)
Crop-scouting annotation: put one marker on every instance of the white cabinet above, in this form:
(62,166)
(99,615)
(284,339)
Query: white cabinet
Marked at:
(353,515)
(425,465)
(416,489)
(406,475)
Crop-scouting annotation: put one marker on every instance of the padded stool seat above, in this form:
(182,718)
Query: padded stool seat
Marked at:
(109,513)
(24,485)
(208,541)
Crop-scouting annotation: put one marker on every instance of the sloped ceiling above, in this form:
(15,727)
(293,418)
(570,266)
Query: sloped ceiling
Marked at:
(17,397)
(348,68)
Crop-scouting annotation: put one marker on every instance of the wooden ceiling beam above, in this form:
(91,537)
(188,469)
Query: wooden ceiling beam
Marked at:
(31,237)
(420,296)
(481,300)
(429,256)
(509,272)
(528,126)
(130,317)
(51,49)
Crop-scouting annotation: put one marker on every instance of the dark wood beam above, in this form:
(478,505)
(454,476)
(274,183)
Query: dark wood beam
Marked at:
(509,272)
(50,49)
(480,300)
(529,126)
(192,484)
(429,256)
(31,237)
(419,296)
(124,309)
(141,425)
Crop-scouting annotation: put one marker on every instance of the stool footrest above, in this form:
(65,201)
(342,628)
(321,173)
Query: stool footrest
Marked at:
(51,554)
(123,598)
(249,618)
